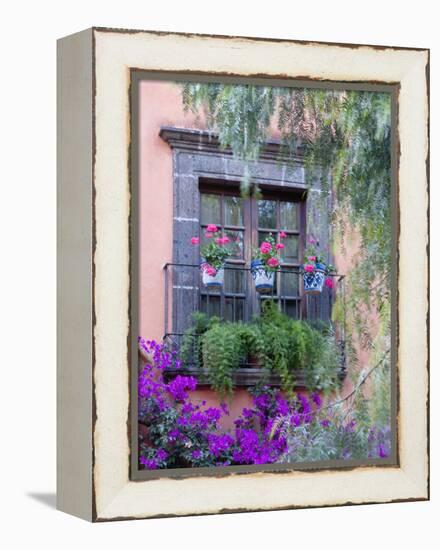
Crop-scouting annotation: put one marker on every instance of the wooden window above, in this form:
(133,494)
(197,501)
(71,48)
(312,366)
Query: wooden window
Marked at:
(273,215)
(230,213)
(248,222)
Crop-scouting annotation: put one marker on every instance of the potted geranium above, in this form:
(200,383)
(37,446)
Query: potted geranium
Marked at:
(213,255)
(316,272)
(265,262)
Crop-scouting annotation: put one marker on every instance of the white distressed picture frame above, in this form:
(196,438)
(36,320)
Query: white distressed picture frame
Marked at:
(94,69)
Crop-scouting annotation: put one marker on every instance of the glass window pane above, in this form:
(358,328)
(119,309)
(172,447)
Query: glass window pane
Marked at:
(210,305)
(236,244)
(262,236)
(290,252)
(289,215)
(289,283)
(234,281)
(267,214)
(234,309)
(210,208)
(233,211)
(292,308)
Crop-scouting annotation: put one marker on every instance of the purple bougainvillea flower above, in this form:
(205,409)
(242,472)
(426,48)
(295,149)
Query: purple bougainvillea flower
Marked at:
(219,443)
(304,402)
(161,454)
(180,385)
(247,413)
(381,451)
(261,401)
(316,398)
(282,406)
(197,454)
(148,463)
(173,434)
(183,429)
(212,414)
(187,408)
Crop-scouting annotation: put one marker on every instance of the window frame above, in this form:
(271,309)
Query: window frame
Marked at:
(251,230)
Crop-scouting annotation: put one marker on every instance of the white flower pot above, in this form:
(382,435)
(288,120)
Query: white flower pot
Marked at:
(263,279)
(213,280)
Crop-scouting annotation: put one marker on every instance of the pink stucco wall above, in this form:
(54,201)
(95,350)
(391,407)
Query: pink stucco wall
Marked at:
(160,105)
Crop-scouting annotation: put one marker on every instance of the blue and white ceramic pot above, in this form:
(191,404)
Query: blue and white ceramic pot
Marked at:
(263,279)
(314,280)
(213,280)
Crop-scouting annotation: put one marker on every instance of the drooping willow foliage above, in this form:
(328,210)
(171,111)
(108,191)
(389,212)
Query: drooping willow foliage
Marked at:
(345,137)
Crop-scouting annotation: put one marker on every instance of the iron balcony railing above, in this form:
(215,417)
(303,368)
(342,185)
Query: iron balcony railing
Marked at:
(238,300)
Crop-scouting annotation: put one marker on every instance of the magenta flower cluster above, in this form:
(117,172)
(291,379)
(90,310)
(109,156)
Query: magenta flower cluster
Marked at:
(182,433)
(177,432)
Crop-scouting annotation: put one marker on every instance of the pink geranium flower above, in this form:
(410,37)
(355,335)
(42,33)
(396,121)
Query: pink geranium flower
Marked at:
(283,235)
(265,247)
(222,240)
(273,262)
(195,240)
(212,228)
(209,235)
(329,282)
(309,268)
(280,246)
(209,270)
(311,258)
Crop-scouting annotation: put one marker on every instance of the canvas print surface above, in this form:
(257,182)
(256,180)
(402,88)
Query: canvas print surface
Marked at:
(265,269)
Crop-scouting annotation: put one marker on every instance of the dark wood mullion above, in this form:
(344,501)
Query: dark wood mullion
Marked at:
(234,261)
(234,228)
(253,294)
(247,243)
(222,288)
(301,250)
(277,239)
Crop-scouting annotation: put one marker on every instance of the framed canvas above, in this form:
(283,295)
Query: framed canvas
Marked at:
(242,274)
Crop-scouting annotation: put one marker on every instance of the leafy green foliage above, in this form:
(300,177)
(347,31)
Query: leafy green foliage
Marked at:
(340,439)
(291,345)
(279,344)
(221,354)
(191,347)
